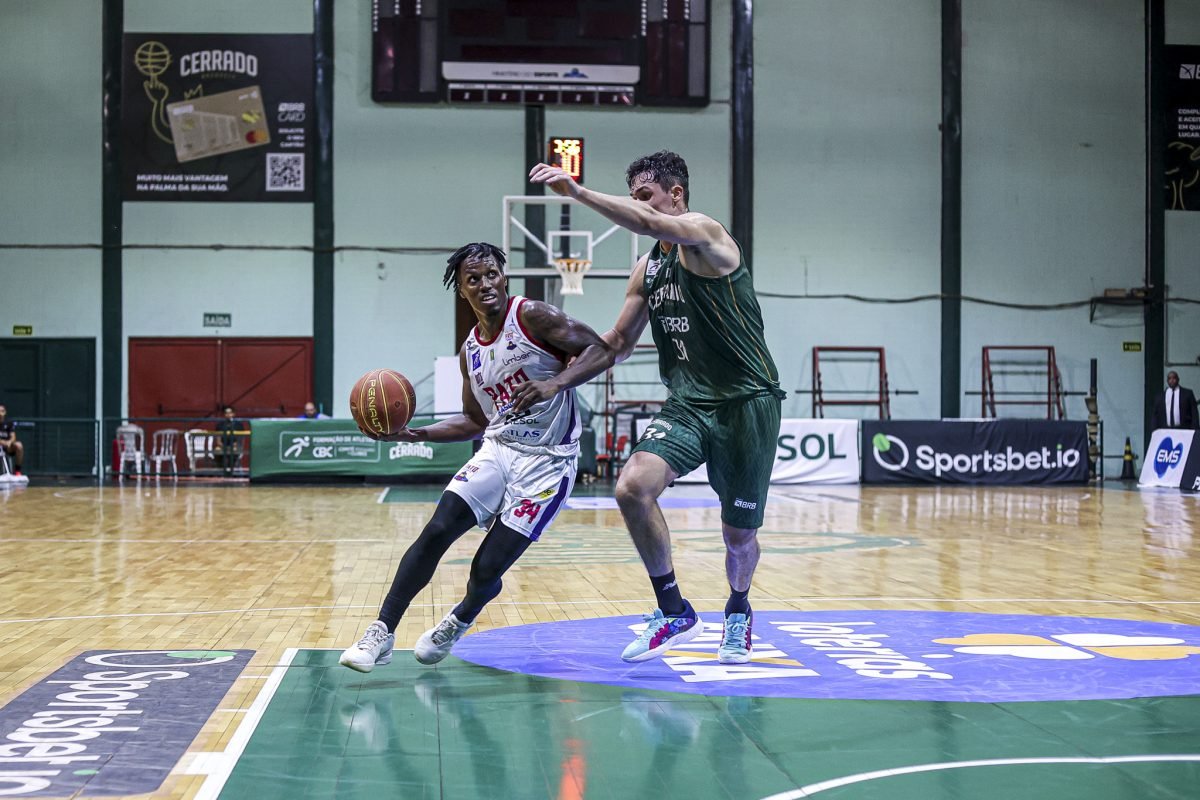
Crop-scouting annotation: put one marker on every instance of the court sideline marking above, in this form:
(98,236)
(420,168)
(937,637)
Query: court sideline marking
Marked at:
(217,766)
(634,601)
(836,783)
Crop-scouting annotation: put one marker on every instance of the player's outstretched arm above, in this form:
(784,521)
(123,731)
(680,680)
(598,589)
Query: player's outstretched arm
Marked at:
(623,336)
(691,229)
(459,428)
(588,354)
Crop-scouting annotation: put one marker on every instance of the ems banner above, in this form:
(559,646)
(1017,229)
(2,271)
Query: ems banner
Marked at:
(216,117)
(1000,451)
(809,451)
(1166,457)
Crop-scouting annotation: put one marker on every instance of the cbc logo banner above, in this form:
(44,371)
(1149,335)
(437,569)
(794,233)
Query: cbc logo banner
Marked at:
(296,447)
(872,655)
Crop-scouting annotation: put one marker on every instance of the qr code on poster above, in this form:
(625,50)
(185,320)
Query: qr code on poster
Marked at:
(285,172)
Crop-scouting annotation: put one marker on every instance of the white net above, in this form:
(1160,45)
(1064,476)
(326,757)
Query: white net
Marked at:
(572,270)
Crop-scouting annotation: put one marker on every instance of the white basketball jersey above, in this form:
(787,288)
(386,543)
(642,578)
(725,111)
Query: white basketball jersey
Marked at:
(495,367)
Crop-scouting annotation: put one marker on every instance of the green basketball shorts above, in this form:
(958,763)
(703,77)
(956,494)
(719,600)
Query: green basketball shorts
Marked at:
(737,441)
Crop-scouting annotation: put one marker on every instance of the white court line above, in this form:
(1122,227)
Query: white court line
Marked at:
(182,540)
(219,766)
(382,495)
(633,601)
(814,788)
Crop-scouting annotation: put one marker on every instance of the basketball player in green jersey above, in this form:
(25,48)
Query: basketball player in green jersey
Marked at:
(723,409)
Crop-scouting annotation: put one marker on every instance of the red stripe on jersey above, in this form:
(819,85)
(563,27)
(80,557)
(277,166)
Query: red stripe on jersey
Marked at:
(548,349)
(475,330)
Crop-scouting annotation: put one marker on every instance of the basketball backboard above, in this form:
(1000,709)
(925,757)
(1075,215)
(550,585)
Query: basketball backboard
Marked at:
(572,231)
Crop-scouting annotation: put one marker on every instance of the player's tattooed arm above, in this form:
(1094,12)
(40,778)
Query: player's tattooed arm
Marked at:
(586,353)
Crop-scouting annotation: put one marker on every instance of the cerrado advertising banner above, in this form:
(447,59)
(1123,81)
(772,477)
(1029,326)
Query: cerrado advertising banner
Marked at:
(1000,451)
(1181,161)
(217,117)
(291,447)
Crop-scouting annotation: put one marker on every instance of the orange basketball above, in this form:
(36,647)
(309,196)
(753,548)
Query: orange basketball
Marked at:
(382,402)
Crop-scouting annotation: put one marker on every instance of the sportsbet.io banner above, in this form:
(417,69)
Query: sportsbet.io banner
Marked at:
(807,451)
(111,722)
(290,447)
(217,117)
(1002,451)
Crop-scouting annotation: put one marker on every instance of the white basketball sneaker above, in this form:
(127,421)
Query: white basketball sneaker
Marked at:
(435,643)
(375,647)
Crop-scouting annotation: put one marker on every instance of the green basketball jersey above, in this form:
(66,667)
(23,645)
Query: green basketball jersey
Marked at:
(709,332)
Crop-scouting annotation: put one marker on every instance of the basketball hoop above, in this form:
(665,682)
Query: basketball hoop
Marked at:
(571,270)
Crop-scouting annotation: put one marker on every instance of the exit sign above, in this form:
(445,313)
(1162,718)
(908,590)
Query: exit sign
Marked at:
(218,320)
(1131,347)
(22,330)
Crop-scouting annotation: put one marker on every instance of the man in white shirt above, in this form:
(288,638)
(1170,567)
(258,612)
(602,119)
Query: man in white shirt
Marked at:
(1175,407)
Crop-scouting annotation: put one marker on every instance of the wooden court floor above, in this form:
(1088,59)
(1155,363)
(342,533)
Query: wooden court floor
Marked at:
(293,574)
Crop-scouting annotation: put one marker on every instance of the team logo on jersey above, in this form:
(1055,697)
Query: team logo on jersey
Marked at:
(466,472)
(476,361)
(516,359)
(652,266)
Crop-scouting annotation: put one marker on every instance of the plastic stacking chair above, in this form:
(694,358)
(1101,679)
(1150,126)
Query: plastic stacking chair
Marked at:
(163,450)
(197,444)
(7,476)
(131,444)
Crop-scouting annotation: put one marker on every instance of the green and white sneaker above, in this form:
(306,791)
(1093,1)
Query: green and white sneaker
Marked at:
(375,647)
(436,643)
(735,644)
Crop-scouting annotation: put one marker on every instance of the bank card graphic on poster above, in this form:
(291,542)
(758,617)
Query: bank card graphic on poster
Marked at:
(220,123)
(217,117)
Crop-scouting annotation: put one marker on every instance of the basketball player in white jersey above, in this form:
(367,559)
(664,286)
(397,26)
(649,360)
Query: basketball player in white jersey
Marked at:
(516,484)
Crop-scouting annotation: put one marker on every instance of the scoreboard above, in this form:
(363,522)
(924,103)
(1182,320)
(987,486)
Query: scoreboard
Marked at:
(601,53)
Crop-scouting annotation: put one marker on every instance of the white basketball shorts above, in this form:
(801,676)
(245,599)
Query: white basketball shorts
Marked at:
(526,492)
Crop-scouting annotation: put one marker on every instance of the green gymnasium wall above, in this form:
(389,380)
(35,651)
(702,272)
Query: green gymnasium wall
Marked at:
(847,191)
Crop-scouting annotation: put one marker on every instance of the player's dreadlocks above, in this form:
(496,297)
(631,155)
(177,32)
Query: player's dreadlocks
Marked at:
(473,251)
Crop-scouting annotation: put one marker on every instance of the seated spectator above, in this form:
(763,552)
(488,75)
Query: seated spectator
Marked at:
(9,443)
(229,448)
(310,412)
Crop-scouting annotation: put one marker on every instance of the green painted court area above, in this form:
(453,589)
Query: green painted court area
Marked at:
(462,731)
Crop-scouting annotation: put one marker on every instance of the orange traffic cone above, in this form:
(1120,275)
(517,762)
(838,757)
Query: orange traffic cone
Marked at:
(1127,473)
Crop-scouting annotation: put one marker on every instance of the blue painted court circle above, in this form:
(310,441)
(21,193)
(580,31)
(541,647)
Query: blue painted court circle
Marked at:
(871,655)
